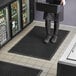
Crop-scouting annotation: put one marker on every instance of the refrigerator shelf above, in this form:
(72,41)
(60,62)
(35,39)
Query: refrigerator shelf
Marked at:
(14,16)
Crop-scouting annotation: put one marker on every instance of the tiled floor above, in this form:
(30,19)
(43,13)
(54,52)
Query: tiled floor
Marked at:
(49,67)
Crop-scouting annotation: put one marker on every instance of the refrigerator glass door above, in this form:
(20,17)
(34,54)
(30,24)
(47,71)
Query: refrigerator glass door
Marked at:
(15,17)
(4,26)
(25,12)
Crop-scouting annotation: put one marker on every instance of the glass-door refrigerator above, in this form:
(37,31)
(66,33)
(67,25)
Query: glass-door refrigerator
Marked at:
(4,26)
(25,12)
(15,17)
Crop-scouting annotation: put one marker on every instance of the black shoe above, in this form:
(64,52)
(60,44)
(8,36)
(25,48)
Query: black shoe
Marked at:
(47,39)
(54,39)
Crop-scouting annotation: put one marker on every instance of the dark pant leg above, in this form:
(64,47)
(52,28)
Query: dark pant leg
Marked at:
(56,28)
(47,27)
(56,24)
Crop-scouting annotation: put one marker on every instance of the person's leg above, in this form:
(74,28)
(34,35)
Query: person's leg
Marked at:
(56,28)
(47,27)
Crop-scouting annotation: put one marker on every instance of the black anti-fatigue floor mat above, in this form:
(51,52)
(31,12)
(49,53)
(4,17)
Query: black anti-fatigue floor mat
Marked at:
(9,69)
(32,44)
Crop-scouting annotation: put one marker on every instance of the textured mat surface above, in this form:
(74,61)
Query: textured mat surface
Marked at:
(8,69)
(32,44)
